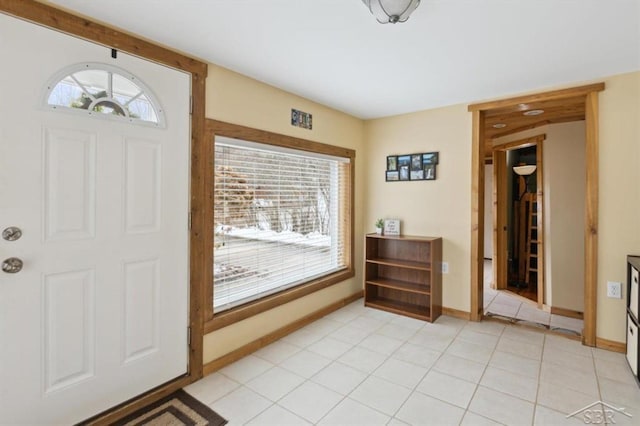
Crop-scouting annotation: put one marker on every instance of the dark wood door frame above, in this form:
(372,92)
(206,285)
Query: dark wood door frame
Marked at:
(56,19)
(478,111)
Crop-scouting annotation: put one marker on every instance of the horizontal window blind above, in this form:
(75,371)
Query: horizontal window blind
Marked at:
(280,219)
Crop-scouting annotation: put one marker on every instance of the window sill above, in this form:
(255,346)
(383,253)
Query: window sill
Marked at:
(250,309)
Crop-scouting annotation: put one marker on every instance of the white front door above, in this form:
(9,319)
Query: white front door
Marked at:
(99,312)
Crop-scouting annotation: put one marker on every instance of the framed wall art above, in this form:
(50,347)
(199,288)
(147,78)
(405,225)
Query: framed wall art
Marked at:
(404,162)
(392,163)
(417,173)
(430,158)
(412,167)
(392,175)
(429,171)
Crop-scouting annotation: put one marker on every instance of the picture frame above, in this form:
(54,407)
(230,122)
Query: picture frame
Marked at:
(412,167)
(417,172)
(430,158)
(392,227)
(404,172)
(429,172)
(392,163)
(301,119)
(404,163)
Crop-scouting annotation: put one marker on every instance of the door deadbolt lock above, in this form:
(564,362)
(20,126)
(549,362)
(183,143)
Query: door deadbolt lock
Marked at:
(12,265)
(12,233)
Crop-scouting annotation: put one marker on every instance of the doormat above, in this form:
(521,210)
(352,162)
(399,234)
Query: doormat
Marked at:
(177,409)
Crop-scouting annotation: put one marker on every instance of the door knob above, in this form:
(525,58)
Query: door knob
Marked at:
(12,265)
(12,233)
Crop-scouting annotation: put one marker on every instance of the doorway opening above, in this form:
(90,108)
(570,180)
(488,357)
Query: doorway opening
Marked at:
(539,221)
(510,116)
(518,218)
(523,236)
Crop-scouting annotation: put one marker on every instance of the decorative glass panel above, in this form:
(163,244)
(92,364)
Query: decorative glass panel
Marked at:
(110,91)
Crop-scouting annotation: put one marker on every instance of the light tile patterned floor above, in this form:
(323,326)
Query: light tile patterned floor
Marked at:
(518,308)
(361,366)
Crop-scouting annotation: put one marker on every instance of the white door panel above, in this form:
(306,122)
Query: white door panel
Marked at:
(99,312)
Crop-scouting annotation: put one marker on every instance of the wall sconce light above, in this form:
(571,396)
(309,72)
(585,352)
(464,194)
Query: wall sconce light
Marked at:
(524,170)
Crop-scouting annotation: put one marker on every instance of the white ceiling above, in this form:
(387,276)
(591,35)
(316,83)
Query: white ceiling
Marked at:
(449,52)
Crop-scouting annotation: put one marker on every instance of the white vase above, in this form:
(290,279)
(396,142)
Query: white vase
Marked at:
(379,231)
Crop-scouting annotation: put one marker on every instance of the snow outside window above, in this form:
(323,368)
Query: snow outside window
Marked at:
(278,219)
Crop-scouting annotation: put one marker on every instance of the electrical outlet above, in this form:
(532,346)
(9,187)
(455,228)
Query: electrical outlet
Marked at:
(614,290)
(445,267)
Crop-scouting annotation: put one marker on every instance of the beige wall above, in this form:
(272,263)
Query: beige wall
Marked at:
(443,207)
(237,99)
(433,208)
(619,201)
(564,195)
(440,207)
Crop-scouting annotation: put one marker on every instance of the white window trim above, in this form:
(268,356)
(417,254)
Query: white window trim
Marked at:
(71,69)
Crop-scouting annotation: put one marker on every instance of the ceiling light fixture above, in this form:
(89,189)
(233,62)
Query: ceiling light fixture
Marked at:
(391,11)
(533,112)
(499,126)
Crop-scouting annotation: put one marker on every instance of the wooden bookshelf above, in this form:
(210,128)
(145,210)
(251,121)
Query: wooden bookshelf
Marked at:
(402,275)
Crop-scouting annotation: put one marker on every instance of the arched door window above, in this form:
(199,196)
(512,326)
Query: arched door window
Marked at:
(104,91)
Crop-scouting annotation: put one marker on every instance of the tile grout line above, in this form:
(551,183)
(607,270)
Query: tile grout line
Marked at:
(425,374)
(309,379)
(368,374)
(535,406)
(480,379)
(302,348)
(360,383)
(392,416)
(384,321)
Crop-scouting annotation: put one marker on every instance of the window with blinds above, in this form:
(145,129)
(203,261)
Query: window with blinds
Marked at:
(280,219)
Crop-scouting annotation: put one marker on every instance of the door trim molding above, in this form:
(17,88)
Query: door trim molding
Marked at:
(500,255)
(478,111)
(56,19)
(477,214)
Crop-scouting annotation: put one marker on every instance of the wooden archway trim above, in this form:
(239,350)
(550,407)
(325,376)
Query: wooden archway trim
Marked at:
(57,19)
(538,97)
(478,111)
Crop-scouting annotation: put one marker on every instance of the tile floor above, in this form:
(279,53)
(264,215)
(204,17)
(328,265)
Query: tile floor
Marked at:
(506,304)
(361,366)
